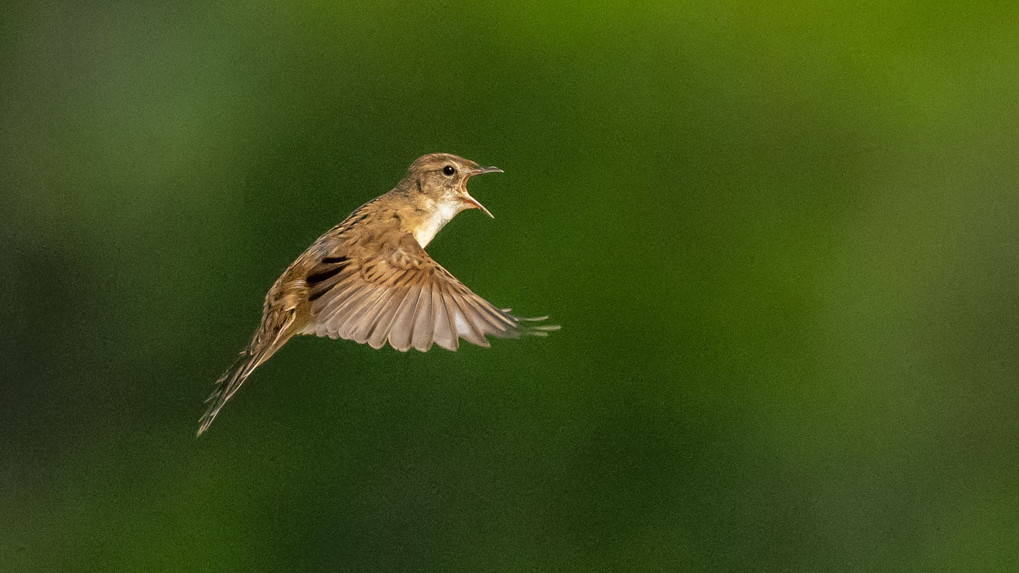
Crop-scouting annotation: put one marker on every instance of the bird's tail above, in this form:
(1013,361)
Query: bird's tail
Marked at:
(231,381)
(276,328)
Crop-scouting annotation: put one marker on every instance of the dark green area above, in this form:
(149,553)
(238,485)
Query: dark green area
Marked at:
(780,238)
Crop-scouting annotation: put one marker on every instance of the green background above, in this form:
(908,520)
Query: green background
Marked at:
(780,239)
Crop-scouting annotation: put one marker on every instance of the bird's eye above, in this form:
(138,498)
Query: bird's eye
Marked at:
(448,170)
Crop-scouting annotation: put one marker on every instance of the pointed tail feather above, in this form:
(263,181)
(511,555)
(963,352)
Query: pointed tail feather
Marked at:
(276,328)
(230,382)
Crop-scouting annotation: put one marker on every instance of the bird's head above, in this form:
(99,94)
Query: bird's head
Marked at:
(442,177)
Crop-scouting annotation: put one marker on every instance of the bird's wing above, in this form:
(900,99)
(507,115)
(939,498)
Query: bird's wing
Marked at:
(404,297)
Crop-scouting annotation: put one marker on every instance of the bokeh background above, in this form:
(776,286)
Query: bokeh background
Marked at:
(780,239)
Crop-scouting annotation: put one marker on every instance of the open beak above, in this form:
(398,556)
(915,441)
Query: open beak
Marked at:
(483,170)
(471,200)
(475,204)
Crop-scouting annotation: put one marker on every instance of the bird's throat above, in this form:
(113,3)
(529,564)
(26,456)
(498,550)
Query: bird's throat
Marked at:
(438,214)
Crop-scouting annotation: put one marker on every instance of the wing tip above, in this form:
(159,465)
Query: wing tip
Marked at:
(535,329)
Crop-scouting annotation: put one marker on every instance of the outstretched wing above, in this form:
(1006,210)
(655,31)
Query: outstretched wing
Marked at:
(403,297)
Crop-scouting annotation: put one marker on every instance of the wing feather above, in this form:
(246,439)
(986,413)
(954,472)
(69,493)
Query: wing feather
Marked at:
(485,313)
(465,327)
(403,297)
(342,309)
(424,323)
(403,321)
(369,314)
(444,335)
(378,333)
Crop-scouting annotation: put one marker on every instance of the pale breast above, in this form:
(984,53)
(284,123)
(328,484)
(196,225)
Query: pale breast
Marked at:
(441,214)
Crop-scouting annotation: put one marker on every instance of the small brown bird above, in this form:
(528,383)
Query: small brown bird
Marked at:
(369,279)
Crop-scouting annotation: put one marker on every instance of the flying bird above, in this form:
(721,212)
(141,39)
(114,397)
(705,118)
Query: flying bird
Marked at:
(370,280)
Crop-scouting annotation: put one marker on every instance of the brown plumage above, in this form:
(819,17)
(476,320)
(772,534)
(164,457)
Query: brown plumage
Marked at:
(370,280)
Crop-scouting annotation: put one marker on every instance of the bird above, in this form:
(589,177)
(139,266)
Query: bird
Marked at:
(369,280)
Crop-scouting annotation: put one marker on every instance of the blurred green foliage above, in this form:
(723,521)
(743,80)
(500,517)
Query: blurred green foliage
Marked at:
(780,239)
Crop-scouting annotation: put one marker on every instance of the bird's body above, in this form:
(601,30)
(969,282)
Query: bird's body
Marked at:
(370,280)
